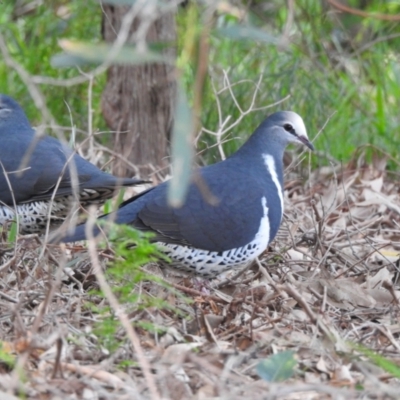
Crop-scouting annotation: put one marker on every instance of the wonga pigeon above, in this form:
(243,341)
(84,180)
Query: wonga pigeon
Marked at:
(29,192)
(207,239)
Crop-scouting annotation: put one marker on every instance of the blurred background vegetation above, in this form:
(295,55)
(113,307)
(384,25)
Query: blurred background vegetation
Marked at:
(339,69)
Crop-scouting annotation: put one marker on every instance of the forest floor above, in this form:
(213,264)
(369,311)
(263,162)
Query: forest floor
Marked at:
(326,289)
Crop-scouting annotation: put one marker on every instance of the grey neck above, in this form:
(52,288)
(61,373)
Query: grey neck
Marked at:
(258,146)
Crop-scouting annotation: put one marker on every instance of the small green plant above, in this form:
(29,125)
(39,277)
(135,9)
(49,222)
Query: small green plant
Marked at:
(113,204)
(5,355)
(12,233)
(106,330)
(126,364)
(388,366)
(133,249)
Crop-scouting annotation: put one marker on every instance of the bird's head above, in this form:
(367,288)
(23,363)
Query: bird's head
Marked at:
(10,110)
(288,127)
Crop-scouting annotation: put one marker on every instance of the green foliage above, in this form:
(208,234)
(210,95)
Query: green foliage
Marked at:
(32,39)
(132,249)
(380,361)
(126,364)
(5,355)
(239,32)
(106,331)
(80,53)
(12,233)
(338,68)
(113,204)
(277,368)
(332,75)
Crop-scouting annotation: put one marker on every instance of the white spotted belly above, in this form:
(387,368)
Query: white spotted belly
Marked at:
(209,264)
(33,217)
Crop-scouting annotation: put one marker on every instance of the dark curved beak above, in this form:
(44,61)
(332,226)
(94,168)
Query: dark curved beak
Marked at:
(306,142)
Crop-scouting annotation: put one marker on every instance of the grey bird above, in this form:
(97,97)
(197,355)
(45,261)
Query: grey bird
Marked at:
(207,239)
(28,193)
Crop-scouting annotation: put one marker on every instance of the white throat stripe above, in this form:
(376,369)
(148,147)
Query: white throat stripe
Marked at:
(270,164)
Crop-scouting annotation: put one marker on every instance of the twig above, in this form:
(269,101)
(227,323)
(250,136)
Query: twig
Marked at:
(23,358)
(290,290)
(119,312)
(360,13)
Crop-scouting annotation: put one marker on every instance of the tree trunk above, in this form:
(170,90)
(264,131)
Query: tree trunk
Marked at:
(138,101)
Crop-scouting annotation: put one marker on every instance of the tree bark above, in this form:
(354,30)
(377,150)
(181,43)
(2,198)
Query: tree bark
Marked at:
(138,101)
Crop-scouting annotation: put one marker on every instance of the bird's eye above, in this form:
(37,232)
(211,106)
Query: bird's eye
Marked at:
(288,128)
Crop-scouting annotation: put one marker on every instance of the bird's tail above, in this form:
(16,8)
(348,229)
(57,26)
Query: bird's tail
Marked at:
(79,233)
(131,181)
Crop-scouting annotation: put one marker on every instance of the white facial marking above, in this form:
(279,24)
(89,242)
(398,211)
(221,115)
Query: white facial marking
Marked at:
(270,164)
(299,126)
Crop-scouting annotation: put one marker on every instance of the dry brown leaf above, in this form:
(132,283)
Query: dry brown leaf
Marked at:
(7,396)
(374,184)
(384,255)
(381,296)
(104,376)
(206,392)
(321,366)
(344,293)
(375,281)
(176,353)
(295,255)
(299,338)
(342,375)
(382,200)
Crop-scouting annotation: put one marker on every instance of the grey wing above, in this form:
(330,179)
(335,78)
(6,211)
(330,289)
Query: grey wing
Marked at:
(56,172)
(41,175)
(231,223)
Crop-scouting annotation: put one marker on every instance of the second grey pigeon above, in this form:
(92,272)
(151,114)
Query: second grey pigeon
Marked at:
(28,193)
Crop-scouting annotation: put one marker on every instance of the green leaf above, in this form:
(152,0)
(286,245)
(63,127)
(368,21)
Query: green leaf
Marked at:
(80,53)
(182,151)
(12,233)
(242,32)
(278,367)
(112,204)
(107,207)
(6,354)
(381,361)
(380,111)
(67,60)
